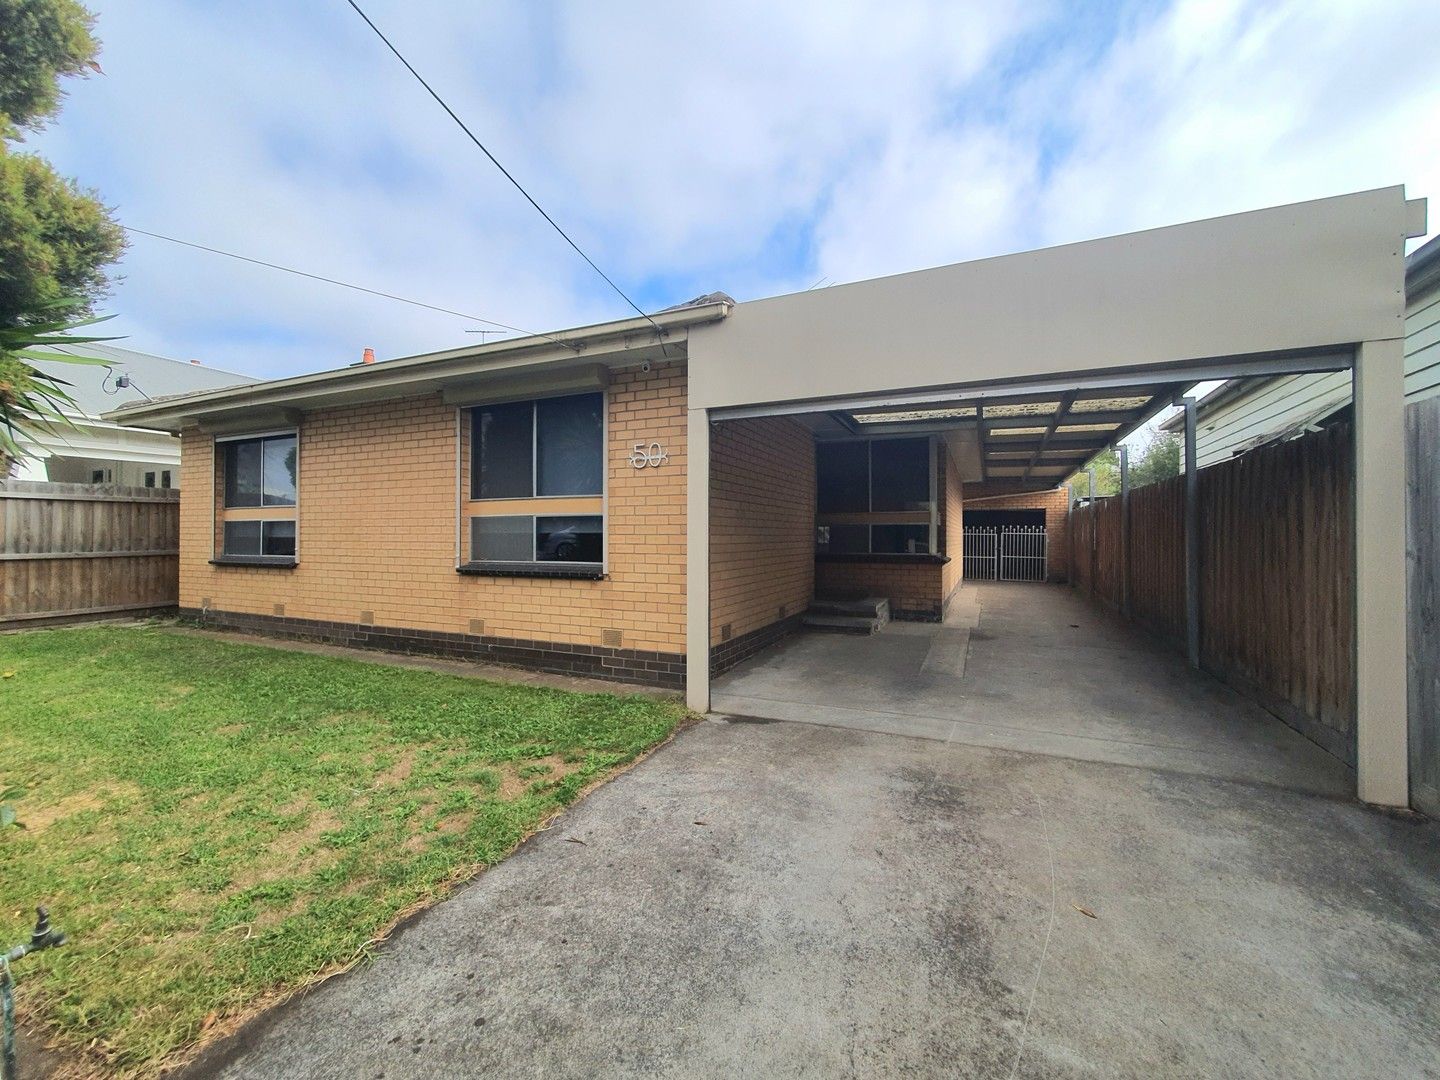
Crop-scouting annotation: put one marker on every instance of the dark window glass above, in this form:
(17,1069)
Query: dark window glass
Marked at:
(278,471)
(165,479)
(242,538)
(569,539)
(842,474)
(900,539)
(260,472)
(243,473)
(845,539)
(502,451)
(149,479)
(502,539)
(900,474)
(279,538)
(568,438)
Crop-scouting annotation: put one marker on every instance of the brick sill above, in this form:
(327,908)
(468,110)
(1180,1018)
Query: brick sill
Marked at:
(926,559)
(573,572)
(273,562)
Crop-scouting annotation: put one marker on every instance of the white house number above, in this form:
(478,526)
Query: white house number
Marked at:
(653,455)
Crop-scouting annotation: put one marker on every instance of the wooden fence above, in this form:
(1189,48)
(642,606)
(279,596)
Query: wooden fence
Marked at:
(1422,423)
(1277,575)
(83,549)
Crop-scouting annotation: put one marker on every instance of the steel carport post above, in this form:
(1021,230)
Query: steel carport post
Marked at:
(1124,529)
(1192,539)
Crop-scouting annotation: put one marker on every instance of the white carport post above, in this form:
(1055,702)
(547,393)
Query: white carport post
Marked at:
(1381,754)
(697,561)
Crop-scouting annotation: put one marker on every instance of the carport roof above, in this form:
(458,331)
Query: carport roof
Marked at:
(1026,440)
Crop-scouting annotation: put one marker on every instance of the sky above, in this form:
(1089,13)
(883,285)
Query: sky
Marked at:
(751,147)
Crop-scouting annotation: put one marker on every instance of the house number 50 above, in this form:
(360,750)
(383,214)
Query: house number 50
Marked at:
(653,455)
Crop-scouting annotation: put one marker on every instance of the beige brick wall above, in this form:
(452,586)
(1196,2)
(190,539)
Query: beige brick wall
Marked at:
(913,589)
(377,512)
(952,515)
(762,524)
(1056,504)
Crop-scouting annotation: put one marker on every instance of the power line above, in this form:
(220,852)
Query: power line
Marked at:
(496,162)
(342,284)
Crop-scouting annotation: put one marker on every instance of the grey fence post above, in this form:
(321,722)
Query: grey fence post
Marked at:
(1192,539)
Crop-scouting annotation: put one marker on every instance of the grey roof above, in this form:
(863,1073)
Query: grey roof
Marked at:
(94,390)
(701,301)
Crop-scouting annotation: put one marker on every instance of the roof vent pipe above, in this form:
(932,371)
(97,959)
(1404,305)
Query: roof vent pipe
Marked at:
(195,362)
(368,357)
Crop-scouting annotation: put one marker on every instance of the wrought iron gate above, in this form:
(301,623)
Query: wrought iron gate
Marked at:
(1006,553)
(980,550)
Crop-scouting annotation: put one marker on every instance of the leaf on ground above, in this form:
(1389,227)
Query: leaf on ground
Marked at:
(1085,911)
(8,675)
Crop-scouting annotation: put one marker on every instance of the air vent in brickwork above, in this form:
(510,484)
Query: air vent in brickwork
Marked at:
(610,638)
(477,626)
(280,609)
(367,618)
(726,631)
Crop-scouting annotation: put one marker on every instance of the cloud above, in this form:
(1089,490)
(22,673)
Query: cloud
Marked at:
(752,147)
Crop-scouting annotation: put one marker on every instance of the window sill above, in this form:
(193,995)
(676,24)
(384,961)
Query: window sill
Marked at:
(573,571)
(925,559)
(274,562)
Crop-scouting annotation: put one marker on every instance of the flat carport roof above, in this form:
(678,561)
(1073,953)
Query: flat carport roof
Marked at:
(1311,286)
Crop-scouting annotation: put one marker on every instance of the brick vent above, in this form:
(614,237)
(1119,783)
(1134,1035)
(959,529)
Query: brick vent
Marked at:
(556,657)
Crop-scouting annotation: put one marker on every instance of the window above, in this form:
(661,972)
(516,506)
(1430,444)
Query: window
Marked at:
(99,476)
(548,456)
(523,538)
(538,449)
(149,479)
(261,472)
(874,496)
(257,539)
(165,478)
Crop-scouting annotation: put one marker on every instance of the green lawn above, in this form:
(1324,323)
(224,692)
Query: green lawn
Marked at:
(216,824)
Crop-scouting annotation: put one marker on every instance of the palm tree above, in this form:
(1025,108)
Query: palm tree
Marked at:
(31,398)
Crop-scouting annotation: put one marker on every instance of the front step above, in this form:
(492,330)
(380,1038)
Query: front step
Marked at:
(864,616)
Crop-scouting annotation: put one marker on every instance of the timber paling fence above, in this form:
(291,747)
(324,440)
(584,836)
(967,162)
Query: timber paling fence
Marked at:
(86,549)
(1277,575)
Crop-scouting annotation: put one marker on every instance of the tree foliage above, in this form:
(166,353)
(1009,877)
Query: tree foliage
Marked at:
(56,240)
(41,42)
(1156,459)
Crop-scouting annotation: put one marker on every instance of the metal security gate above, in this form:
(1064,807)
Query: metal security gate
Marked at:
(1006,553)
(980,550)
(1023,553)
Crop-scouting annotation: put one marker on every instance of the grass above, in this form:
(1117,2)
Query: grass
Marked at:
(216,825)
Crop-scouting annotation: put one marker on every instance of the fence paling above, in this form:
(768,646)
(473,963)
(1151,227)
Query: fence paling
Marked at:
(1277,558)
(73,549)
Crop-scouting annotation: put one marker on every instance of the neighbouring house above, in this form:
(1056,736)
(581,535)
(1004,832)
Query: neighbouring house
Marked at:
(1241,414)
(657,498)
(95,450)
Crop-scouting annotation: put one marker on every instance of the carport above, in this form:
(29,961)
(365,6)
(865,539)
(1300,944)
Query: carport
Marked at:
(1035,361)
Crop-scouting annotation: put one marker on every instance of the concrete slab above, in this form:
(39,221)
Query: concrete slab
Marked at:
(1044,671)
(789,900)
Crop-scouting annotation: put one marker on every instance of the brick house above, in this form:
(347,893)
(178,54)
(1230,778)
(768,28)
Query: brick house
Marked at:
(655,499)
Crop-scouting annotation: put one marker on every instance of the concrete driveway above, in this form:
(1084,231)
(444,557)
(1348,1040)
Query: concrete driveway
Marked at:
(789,900)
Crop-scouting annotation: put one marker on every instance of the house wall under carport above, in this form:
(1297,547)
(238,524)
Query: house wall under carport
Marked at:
(762,534)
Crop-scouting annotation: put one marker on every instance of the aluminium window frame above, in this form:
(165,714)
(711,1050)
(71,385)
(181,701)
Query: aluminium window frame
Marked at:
(465,493)
(932,465)
(216,467)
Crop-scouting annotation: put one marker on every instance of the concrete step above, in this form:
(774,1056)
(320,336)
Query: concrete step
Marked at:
(869,607)
(841,624)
